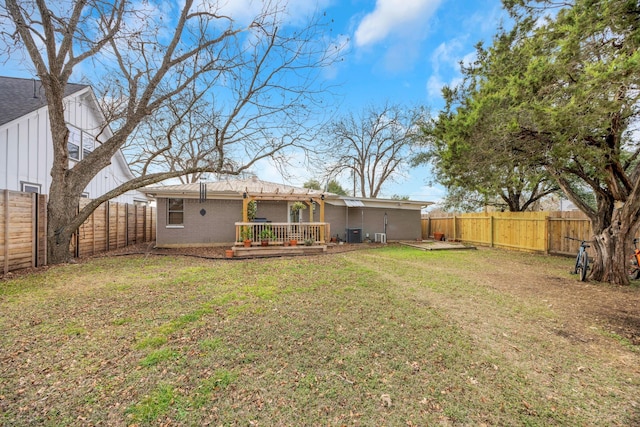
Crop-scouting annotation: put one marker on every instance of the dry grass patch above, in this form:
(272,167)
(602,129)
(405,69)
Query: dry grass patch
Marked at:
(390,336)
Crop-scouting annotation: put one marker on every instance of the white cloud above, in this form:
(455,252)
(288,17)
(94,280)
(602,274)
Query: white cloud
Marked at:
(445,61)
(338,46)
(434,86)
(392,16)
(446,55)
(242,11)
(294,12)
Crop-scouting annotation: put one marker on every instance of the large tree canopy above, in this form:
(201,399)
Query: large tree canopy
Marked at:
(373,146)
(203,85)
(560,91)
(475,167)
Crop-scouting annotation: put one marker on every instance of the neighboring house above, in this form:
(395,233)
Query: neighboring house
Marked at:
(214,213)
(26,150)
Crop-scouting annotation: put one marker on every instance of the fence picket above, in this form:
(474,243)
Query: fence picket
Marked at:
(23,231)
(529,231)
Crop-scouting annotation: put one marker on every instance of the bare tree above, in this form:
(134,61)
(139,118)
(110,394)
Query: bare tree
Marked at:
(373,146)
(156,63)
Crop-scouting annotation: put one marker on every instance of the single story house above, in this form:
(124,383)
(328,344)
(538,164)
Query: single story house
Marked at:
(224,212)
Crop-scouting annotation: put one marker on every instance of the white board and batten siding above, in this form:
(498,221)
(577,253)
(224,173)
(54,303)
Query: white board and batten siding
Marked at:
(26,149)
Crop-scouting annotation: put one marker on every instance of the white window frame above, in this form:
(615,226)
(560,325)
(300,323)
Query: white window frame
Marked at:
(170,211)
(75,140)
(25,185)
(83,142)
(88,144)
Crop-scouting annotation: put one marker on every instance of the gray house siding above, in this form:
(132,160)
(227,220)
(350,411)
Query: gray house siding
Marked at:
(216,226)
(401,224)
(271,210)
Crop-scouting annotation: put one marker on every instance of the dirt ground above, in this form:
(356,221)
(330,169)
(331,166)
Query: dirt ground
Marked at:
(584,306)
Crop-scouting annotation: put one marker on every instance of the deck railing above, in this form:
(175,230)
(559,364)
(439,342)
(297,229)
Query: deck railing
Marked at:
(281,232)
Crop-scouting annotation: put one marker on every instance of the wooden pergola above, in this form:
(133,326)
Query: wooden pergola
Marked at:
(309,199)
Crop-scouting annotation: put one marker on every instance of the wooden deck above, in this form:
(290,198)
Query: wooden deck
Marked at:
(434,245)
(277,250)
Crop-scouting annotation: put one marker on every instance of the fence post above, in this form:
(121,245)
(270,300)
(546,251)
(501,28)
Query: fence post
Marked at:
(135,222)
(144,223)
(93,231)
(34,225)
(126,224)
(6,231)
(77,251)
(547,234)
(41,229)
(117,225)
(491,230)
(455,228)
(107,226)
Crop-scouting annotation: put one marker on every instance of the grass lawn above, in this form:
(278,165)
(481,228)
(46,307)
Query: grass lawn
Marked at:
(391,336)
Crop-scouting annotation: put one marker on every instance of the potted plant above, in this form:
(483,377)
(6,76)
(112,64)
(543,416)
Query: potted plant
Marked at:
(295,211)
(308,242)
(266,234)
(246,234)
(293,242)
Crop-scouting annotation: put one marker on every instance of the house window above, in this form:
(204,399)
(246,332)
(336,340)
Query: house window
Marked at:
(175,214)
(85,195)
(75,140)
(80,143)
(28,187)
(87,144)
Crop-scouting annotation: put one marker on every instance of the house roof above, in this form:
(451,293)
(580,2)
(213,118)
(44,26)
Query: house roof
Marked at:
(235,189)
(21,96)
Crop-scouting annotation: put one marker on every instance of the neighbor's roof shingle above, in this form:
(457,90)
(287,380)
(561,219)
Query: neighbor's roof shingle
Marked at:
(21,96)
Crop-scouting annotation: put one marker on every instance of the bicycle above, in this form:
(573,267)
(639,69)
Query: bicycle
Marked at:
(582,259)
(633,271)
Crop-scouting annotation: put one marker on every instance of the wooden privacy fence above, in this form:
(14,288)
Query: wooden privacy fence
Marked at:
(23,230)
(529,231)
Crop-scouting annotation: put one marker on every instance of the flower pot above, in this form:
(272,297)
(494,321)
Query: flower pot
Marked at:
(247,243)
(228,253)
(438,236)
(293,242)
(264,243)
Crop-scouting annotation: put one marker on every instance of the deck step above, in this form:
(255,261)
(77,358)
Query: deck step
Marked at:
(268,251)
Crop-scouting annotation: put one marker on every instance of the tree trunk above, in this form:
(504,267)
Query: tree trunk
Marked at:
(611,246)
(611,259)
(61,213)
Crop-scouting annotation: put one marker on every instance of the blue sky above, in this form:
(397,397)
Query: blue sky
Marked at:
(399,51)
(404,51)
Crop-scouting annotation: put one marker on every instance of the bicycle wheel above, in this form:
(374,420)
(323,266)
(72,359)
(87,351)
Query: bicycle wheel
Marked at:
(575,267)
(583,265)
